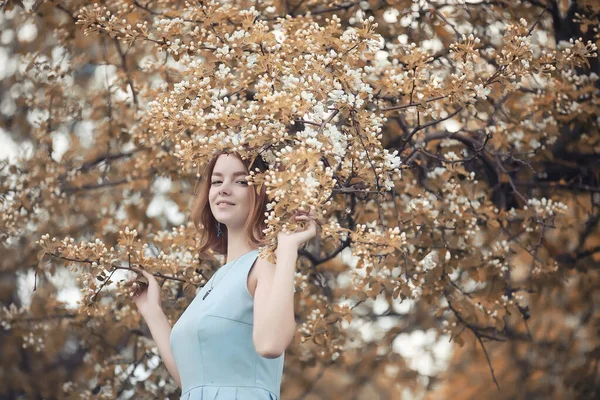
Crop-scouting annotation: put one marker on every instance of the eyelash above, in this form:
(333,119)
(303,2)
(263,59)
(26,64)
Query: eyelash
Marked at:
(243,182)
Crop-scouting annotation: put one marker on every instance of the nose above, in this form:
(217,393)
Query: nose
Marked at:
(224,188)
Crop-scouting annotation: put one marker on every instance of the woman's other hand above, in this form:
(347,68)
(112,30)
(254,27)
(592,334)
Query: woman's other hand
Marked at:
(146,296)
(300,236)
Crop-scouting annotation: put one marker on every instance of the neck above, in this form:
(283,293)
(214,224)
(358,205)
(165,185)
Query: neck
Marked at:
(237,244)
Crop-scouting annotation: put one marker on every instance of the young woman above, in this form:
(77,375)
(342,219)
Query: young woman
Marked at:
(230,341)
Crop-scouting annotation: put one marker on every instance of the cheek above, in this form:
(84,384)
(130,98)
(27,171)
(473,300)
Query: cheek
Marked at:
(248,200)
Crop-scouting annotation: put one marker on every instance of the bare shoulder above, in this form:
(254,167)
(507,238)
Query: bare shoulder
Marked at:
(262,270)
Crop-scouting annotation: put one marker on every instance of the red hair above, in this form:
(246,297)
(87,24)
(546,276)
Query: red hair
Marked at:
(205,222)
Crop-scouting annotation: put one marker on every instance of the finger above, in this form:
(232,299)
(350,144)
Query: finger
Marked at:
(307,216)
(142,271)
(309,219)
(148,275)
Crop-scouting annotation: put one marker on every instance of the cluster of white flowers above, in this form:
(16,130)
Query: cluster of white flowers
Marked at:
(174,46)
(67,386)
(224,52)
(468,45)
(505,301)
(128,231)
(374,45)
(355,79)
(37,343)
(237,35)
(395,233)
(166,25)
(415,286)
(251,12)
(311,185)
(482,91)
(518,48)
(122,312)
(424,204)
(318,113)
(500,264)
(429,262)
(311,137)
(223,73)
(10,313)
(176,232)
(540,269)
(516,138)
(290,82)
(388,184)
(546,207)
(501,247)
(495,256)
(250,60)
(315,314)
(340,98)
(397,78)
(436,172)
(338,141)
(392,161)
(578,79)
(300,282)
(349,36)
(391,165)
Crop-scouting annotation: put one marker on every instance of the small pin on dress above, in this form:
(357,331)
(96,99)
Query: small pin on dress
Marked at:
(212,282)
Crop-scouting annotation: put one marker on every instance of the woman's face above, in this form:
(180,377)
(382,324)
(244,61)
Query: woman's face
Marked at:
(229,193)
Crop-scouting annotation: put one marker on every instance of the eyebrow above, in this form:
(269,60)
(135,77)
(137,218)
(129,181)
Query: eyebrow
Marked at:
(234,174)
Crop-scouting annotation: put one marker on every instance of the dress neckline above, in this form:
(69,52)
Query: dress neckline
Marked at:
(242,255)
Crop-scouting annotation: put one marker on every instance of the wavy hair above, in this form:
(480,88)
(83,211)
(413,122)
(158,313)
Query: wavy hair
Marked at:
(205,222)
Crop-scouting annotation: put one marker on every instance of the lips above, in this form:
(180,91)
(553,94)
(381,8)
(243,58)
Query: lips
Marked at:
(224,203)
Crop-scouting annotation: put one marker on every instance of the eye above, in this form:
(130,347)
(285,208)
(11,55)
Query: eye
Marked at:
(242,182)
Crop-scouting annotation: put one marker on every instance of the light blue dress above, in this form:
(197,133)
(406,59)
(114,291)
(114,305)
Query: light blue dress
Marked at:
(212,342)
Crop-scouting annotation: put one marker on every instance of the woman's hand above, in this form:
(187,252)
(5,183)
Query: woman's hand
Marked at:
(145,296)
(293,240)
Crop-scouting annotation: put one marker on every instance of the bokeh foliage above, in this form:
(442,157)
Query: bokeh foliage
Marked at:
(449,146)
